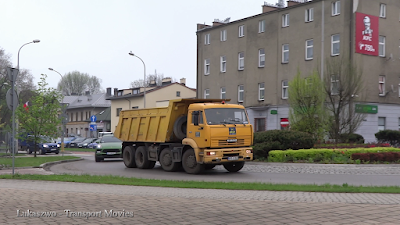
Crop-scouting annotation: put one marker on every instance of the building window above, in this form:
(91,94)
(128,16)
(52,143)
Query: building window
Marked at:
(335,44)
(223,64)
(382,11)
(72,117)
(207,39)
(285,53)
(261,26)
(285,89)
(285,20)
(178,94)
(240,93)
(206,67)
(261,91)
(309,15)
(207,93)
(259,124)
(241,31)
(382,41)
(309,49)
(334,84)
(381,123)
(241,61)
(382,90)
(118,111)
(81,116)
(223,93)
(335,8)
(223,35)
(76,116)
(261,57)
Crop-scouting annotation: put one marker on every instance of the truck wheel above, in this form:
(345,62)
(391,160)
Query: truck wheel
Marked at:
(209,167)
(234,166)
(166,161)
(142,162)
(180,127)
(190,164)
(129,157)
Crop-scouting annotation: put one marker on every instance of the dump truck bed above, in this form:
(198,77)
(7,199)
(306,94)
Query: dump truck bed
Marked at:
(154,125)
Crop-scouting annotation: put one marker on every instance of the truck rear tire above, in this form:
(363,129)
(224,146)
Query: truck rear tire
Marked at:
(233,166)
(190,164)
(129,157)
(141,158)
(180,127)
(166,161)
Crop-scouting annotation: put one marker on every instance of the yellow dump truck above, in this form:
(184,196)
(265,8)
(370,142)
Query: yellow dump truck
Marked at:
(195,134)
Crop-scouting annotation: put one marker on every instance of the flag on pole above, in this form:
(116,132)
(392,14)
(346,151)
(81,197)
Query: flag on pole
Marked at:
(26,106)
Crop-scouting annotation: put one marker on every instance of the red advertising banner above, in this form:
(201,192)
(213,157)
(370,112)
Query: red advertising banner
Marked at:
(367,34)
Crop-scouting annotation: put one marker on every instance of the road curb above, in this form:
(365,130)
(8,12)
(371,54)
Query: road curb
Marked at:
(46,166)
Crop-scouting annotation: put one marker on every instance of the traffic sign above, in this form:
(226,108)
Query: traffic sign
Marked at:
(9,99)
(92,127)
(93,118)
(12,74)
(284,122)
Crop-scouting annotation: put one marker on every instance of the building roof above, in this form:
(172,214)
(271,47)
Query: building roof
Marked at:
(147,91)
(104,115)
(85,101)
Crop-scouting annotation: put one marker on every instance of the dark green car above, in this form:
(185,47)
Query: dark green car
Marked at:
(108,146)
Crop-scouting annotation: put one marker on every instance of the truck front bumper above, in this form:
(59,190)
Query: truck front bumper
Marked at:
(219,156)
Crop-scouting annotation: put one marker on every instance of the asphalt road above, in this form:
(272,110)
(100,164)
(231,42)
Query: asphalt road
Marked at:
(382,175)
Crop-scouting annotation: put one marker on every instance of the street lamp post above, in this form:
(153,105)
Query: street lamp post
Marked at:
(62,116)
(14,79)
(144,77)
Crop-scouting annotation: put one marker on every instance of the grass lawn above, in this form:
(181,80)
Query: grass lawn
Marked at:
(9,154)
(108,179)
(32,161)
(79,150)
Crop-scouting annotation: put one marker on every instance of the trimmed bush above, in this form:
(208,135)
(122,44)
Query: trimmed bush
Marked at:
(352,138)
(280,140)
(389,136)
(377,157)
(323,154)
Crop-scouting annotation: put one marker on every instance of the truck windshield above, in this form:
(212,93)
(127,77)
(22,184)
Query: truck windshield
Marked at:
(226,116)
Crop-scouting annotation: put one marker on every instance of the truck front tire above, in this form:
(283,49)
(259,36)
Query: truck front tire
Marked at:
(233,166)
(166,161)
(190,164)
(129,157)
(141,158)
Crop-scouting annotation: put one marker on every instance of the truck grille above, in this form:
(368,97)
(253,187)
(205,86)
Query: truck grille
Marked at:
(229,142)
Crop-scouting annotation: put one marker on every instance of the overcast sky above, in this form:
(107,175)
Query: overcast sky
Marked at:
(95,36)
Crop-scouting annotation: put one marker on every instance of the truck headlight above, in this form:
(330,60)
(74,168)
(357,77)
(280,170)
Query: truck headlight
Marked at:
(210,153)
(98,146)
(45,146)
(58,145)
(249,151)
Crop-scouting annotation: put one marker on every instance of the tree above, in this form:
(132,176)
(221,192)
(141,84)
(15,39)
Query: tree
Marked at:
(78,83)
(306,99)
(155,79)
(343,86)
(40,118)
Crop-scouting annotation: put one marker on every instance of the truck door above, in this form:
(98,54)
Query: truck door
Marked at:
(196,128)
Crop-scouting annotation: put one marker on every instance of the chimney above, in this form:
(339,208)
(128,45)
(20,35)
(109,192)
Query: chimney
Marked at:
(115,91)
(292,3)
(166,80)
(153,83)
(216,23)
(183,81)
(108,91)
(267,8)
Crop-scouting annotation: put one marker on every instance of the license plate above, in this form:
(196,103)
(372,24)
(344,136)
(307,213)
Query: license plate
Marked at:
(53,149)
(233,158)
(110,153)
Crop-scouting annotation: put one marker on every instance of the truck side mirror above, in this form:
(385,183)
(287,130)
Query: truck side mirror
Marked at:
(195,118)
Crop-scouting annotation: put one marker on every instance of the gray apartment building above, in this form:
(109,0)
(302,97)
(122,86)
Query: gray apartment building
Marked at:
(252,60)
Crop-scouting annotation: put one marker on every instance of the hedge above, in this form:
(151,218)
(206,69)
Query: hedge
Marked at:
(322,154)
(377,157)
